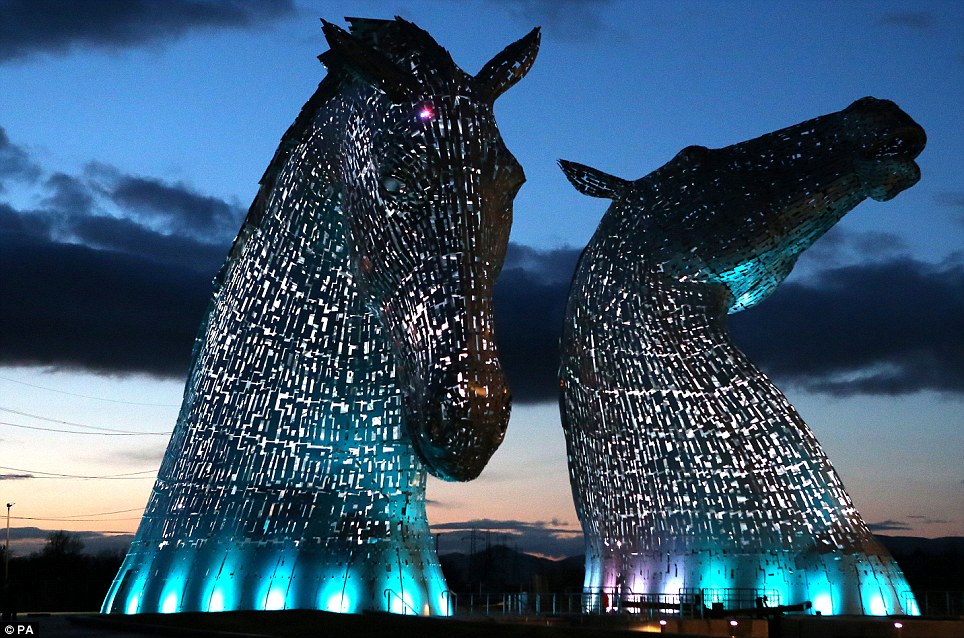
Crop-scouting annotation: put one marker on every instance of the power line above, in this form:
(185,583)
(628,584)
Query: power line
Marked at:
(87,396)
(74,423)
(73,520)
(127,475)
(67,516)
(32,427)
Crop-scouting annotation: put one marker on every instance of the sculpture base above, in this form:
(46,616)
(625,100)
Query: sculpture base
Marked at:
(215,576)
(834,583)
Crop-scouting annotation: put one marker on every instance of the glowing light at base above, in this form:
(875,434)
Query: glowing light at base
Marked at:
(690,469)
(275,600)
(338,603)
(132,604)
(217,601)
(877,606)
(169,606)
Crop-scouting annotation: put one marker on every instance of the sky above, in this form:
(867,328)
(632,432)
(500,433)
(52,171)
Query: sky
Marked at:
(133,135)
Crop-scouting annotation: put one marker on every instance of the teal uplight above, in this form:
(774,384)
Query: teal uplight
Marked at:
(400,603)
(216,603)
(169,606)
(133,603)
(274,600)
(823,603)
(338,603)
(877,606)
(442,599)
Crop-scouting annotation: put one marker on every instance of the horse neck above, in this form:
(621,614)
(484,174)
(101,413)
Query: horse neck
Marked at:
(627,307)
(294,246)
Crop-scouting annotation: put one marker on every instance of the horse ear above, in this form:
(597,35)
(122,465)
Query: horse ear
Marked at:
(372,65)
(593,182)
(509,66)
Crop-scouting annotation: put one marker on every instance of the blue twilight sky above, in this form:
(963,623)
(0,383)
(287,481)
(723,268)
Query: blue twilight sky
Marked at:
(133,134)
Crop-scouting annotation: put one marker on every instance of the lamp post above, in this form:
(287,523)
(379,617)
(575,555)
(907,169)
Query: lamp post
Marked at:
(6,549)
(5,606)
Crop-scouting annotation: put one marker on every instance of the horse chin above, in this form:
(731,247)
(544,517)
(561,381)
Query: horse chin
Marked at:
(885,180)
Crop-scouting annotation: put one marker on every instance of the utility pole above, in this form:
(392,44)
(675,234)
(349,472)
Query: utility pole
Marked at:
(472,538)
(6,550)
(5,607)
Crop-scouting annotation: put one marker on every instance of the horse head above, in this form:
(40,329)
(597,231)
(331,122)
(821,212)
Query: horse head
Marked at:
(427,195)
(741,215)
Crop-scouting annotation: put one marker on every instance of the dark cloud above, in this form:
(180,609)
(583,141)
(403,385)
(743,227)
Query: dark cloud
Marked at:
(530,303)
(28,27)
(23,223)
(176,207)
(68,196)
(889,327)
(15,477)
(551,538)
(927,520)
(104,208)
(15,161)
(914,20)
(111,273)
(569,19)
(840,246)
(441,504)
(950,199)
(128,237)
(888,526)
(103,311)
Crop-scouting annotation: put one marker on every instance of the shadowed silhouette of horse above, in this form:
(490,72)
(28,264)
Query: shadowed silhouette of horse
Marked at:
(690,470)
(348,348)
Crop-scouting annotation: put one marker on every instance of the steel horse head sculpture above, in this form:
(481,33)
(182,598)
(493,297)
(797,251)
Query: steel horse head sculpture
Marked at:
(692,473)
(348,348)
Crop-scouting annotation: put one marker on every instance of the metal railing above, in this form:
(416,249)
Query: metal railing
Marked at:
(406,607)
(687,603)
(451,602)
(935,603)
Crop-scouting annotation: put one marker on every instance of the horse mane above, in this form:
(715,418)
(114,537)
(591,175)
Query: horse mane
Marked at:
(403,42)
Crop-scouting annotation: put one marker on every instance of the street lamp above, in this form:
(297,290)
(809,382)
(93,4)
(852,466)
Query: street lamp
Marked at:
(5,607)
(6,550)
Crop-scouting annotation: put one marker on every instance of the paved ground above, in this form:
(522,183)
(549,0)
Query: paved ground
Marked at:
(295,623)
(59,626)
(300,623)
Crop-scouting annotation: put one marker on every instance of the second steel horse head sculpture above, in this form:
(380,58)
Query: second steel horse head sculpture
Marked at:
(349,347)
(692,473)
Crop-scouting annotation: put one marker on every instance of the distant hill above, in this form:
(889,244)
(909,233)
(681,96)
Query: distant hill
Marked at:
(928,563)
(927,546)
(502,569)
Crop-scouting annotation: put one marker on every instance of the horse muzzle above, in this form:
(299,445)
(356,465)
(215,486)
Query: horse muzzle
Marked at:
(886,165)
(461,420)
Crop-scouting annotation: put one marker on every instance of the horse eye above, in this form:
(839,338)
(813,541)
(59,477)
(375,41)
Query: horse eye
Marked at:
(392,185)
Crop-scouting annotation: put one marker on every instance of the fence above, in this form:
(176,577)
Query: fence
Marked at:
(688,603)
